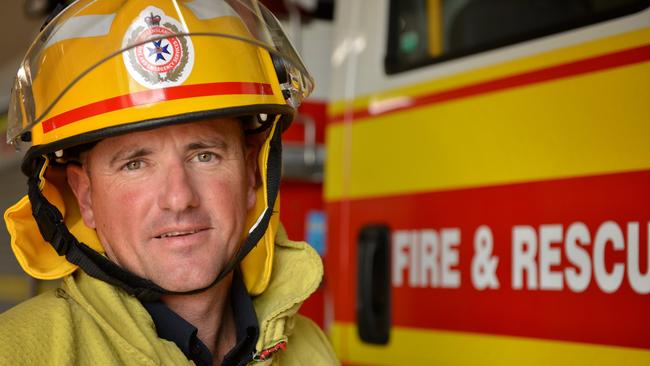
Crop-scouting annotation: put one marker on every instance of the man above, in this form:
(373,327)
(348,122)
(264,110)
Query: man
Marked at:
(152,137)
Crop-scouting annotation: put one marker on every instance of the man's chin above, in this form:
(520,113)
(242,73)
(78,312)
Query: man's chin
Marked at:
(182,281)
(185,286)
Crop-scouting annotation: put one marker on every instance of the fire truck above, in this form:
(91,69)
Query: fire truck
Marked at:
(487,182)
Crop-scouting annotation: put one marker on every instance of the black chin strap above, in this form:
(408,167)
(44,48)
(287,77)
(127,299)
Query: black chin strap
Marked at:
(53,229)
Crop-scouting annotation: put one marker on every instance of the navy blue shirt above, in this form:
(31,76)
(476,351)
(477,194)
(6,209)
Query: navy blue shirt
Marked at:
(172,327)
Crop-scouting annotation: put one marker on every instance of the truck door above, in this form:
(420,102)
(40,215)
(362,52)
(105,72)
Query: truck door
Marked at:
(487,182)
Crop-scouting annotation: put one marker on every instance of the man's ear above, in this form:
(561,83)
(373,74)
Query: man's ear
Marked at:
(79,183)
(252,176)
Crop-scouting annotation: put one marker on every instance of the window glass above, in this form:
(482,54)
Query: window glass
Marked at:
(422,32)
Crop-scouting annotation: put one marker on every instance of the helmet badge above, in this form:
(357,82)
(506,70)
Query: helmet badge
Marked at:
(166,60)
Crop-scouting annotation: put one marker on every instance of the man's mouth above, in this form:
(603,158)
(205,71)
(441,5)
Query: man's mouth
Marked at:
(173,234)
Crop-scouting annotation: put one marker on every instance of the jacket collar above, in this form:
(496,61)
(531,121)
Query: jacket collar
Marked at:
(296,274)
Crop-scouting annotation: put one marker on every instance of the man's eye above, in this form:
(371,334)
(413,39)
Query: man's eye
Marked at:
(133,165)
(205,157)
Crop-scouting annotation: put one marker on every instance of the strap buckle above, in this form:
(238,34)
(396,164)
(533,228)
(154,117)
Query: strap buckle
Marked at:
(50,224)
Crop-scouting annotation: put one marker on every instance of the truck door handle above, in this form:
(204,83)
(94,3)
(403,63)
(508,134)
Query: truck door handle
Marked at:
(373,284)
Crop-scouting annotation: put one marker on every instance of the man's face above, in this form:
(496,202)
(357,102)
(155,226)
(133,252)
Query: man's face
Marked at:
(169,204)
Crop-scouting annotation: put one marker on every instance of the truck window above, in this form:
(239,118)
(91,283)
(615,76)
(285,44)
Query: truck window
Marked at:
(422,32)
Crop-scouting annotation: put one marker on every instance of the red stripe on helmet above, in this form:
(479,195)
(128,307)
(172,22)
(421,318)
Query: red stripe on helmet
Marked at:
(154,96)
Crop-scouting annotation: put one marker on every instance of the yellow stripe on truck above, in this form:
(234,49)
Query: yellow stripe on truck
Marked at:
(409,346)
(501,137)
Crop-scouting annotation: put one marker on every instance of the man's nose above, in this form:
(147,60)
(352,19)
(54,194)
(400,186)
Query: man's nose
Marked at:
(178,191)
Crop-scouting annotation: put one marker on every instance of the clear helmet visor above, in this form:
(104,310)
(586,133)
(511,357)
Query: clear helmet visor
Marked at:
(108,56)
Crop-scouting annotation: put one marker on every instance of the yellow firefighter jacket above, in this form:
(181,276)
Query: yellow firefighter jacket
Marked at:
(89,322)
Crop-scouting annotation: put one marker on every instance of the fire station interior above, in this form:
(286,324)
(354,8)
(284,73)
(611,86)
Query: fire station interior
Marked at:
(475,175)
